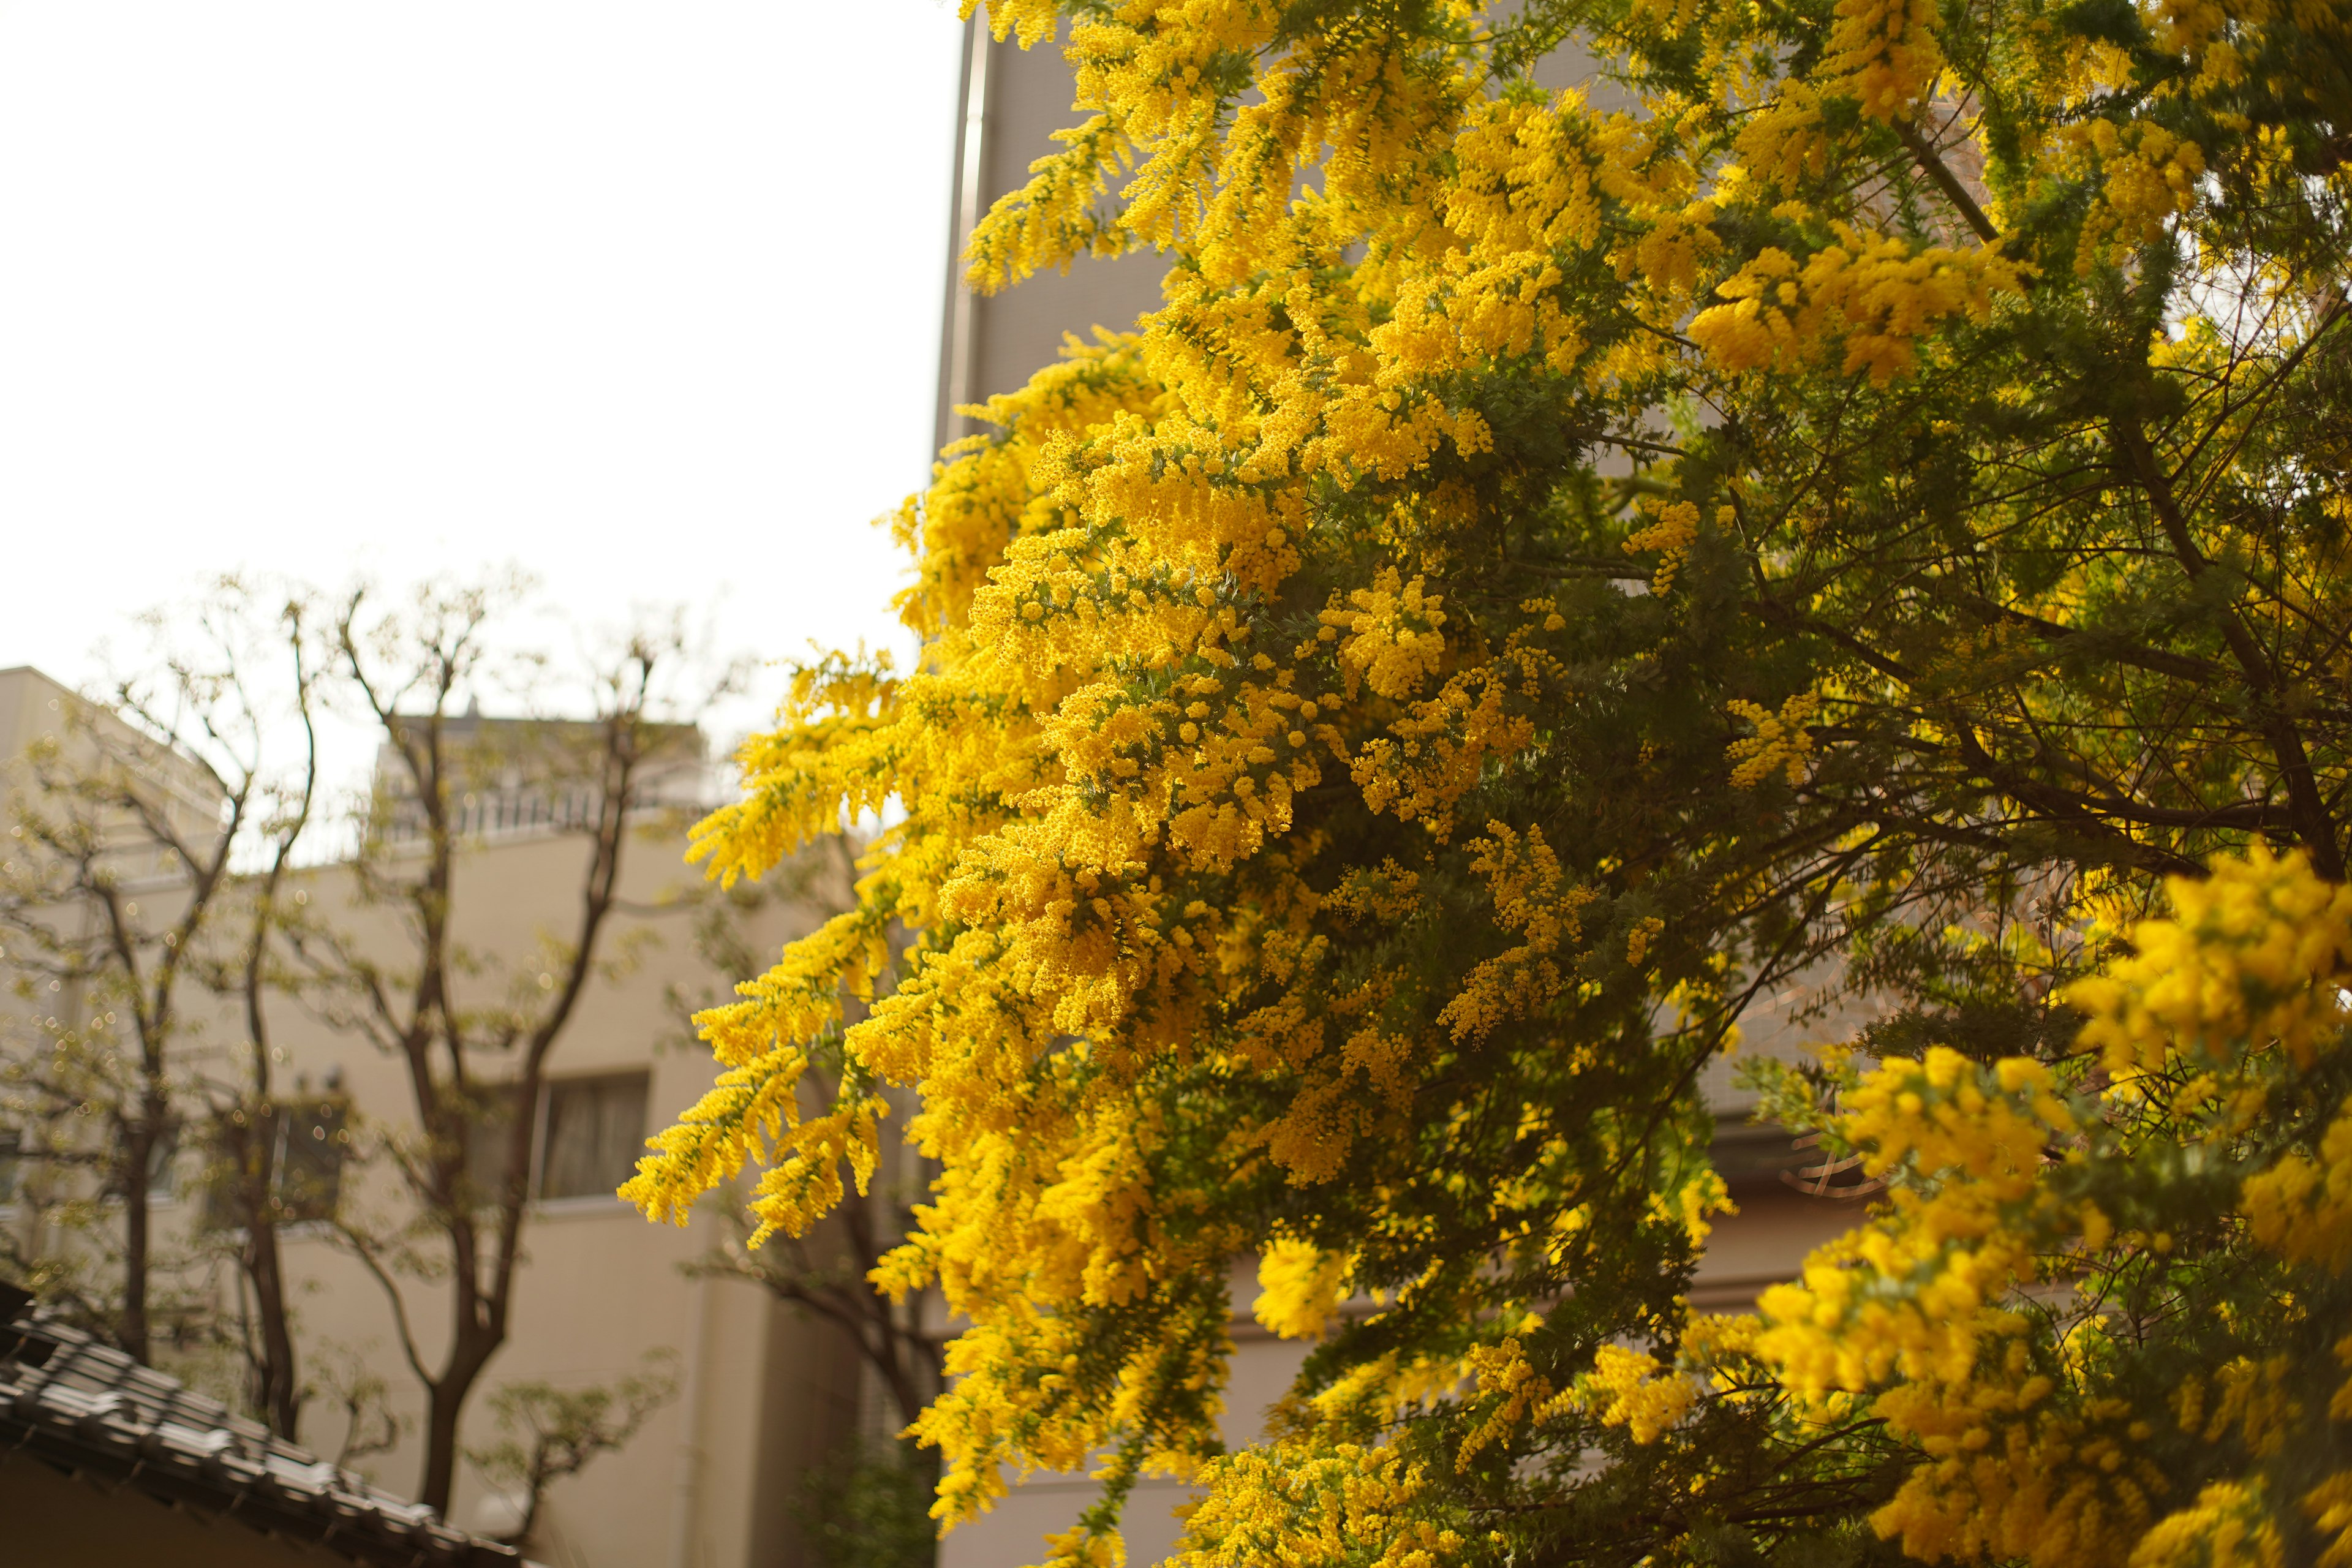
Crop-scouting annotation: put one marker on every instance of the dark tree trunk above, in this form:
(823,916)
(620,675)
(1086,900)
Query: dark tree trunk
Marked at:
(275,1391)
(424,1024)
(448,1401)
(139,1151)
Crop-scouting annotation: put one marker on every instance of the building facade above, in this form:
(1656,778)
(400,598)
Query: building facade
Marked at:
(763,1392)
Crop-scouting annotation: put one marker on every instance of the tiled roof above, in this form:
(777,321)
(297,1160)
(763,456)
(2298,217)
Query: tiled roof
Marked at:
(89,1409)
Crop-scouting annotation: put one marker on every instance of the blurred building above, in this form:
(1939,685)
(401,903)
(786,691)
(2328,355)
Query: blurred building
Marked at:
(764,1392)
(1012,102)
(34,733)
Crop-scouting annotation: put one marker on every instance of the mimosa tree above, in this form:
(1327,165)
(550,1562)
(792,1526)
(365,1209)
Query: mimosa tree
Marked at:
(1871,502)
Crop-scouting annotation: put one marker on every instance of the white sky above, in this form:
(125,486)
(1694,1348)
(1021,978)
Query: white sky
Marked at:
(642,294)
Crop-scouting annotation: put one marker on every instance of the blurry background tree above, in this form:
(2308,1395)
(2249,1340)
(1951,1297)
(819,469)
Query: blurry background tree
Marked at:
(476,1027)
(178,876)
(266,1166)
(555,1432)
(828,1273)
(869,1506)
(344,1377)
(150,834)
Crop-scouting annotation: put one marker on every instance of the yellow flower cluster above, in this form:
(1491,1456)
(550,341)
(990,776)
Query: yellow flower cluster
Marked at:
(1624,1389)
(1298,1289)
(1781,743)
(1979,1134)
(2146,177)
(1671,534)
(2226,1529)
(1649,1397)
(2302,1207)
(1533,900)
(1947,1309)
(2238,965)
(1388,635)
(1874,298)
(1312,1506)
(1888,53)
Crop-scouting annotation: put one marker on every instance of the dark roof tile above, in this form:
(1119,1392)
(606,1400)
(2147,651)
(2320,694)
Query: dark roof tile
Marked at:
(87,1408)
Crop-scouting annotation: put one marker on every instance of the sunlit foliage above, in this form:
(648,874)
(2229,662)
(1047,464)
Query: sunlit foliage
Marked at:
(2108,1300)
(1855,497)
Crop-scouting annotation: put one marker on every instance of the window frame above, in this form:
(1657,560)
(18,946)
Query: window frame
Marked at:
(542,1114)
(216,1212)
(544,1123)
(330,1121)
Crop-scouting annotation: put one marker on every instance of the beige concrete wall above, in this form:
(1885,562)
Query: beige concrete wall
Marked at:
(705,1483)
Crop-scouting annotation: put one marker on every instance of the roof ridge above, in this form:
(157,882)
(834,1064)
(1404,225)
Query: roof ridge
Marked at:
(87,1408)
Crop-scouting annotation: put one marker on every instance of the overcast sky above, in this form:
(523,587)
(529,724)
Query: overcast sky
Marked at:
(641,295)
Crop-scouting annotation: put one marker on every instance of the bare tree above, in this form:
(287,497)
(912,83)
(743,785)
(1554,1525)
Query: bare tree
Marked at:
(475,1030)
(346,1382)
(248,1120)
(555,1432)
(826,1274)
(130,820)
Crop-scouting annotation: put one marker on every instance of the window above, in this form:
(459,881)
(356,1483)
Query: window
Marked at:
(595,1130)
(587,1134)
(490,1132)
(307,1146)
(309,1161)
(163,1167)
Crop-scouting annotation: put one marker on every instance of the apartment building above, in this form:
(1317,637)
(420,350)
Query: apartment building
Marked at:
(35,734)
(763,1392)
(1012,102)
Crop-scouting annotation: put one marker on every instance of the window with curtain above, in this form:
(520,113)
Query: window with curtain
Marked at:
(309,1160)
(163,1167)
(307,1148)
(595,1130)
